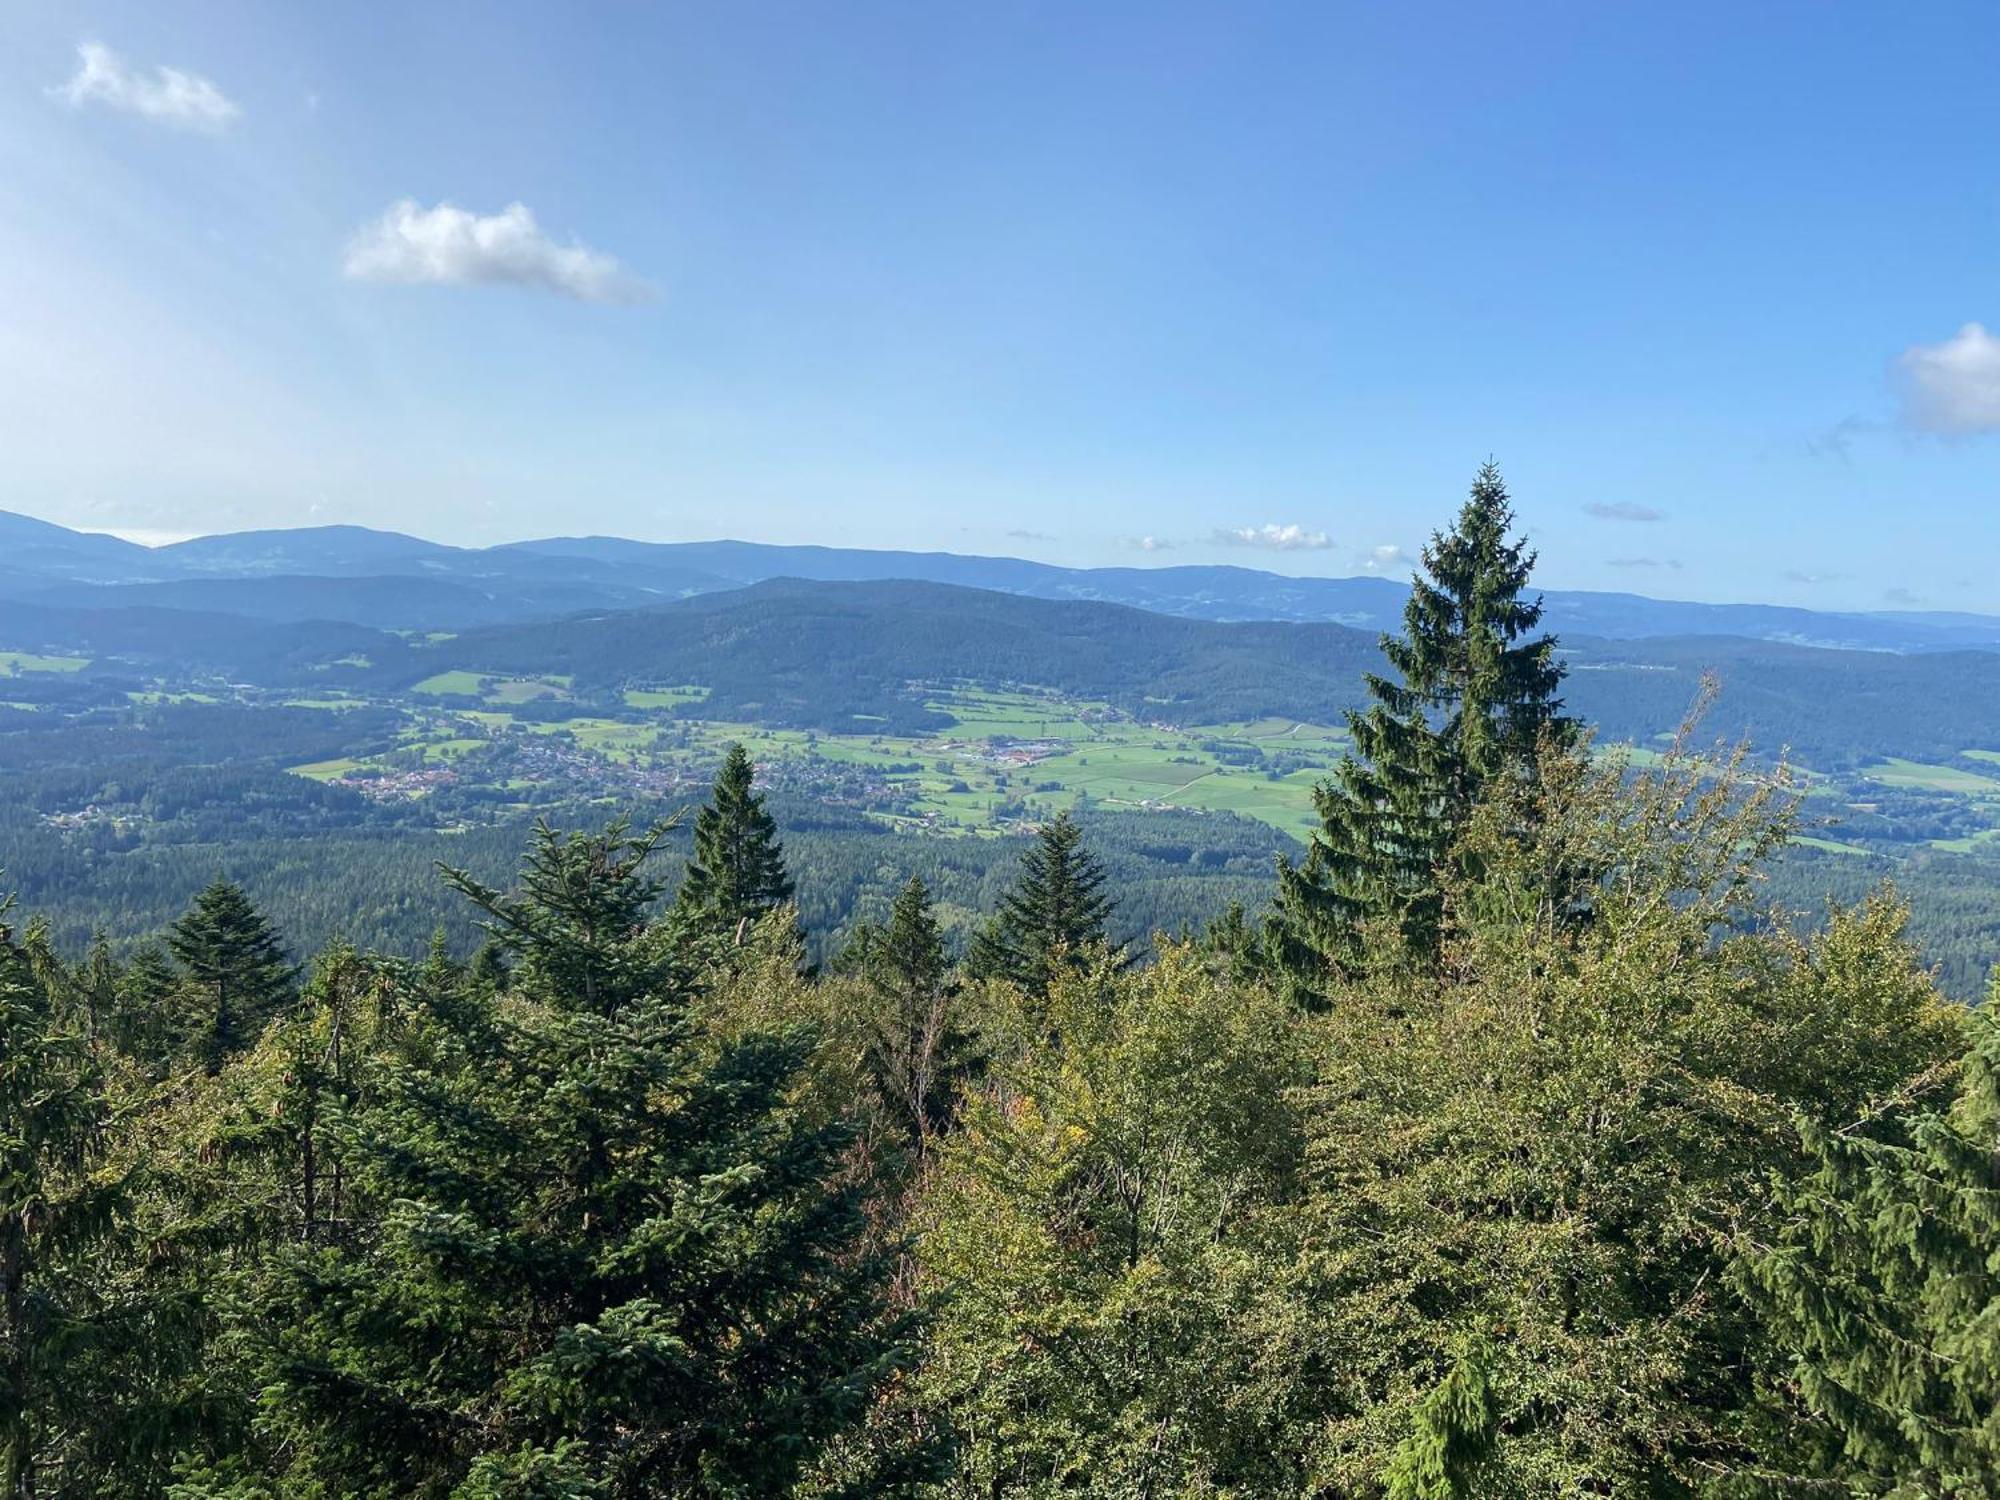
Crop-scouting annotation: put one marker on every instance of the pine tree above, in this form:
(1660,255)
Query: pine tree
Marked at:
(1475,693)
(916,1050)
(737,872)
(1882,1286)
(237,967)
(1054,914)
(609,1254)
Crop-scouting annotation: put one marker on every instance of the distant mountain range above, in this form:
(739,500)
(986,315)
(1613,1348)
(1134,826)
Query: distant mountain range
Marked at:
(389,581)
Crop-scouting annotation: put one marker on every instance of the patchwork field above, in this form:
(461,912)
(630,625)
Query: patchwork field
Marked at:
(1014,756)
(1008,756)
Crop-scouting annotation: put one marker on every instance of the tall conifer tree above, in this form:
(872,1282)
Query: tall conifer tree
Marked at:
(609,1256)
(1053,915)
(737,872)
(237,967)
(915,1050)
(1474,690)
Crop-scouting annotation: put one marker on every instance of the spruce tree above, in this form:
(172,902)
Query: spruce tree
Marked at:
(144,1024)
(608,1254)
(61,1406)
(1474,692)
(1881,1285)
(916,1050)
(1054,914)
(737,871)
(236,967)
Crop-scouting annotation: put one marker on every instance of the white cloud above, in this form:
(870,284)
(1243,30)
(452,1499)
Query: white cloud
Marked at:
(1293,538)
(1953,387)
(1381,559)
(1623,510)
(166,94)
(447,246)
(1150,543)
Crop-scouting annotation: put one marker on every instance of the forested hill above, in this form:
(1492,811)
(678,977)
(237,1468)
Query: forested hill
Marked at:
(822,654)
(843,656)
(834,655)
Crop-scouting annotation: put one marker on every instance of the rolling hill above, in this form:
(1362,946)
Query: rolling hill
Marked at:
(391,581)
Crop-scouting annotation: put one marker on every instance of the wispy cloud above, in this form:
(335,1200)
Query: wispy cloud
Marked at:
(1901,598)
(448,246)
(1837,441)
(1952,388)
(1642,562)
(1804,577)
(1273,537)
(1029,536)
(1623,510)
(168,95)
(1149,543)
(1382,559)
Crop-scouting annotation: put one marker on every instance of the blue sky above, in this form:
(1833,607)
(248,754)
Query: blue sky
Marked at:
(1259,283)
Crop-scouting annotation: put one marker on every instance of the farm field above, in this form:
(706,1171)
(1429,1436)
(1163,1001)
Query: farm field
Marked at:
(14,663)
(1909,773)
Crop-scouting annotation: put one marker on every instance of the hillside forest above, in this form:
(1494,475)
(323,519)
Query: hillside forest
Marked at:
(1520,1144)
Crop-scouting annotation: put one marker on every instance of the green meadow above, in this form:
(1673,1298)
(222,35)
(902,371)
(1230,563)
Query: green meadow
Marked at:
(14,663)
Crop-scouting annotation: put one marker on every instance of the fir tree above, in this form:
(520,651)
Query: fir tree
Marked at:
(610,1256)
(1451,1434)
(1054,914)
(737,872)
(236,967)
(1882,1286)
(1234,945)
(575,925)
(143,1024)
(489,968)
(98,985)
(916,1050)
(56,1217)
(1475,691)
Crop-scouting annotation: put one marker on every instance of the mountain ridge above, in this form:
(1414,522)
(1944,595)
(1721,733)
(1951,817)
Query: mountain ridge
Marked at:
(545,577)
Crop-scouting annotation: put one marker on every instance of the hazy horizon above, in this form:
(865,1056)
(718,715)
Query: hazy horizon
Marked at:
(1122,285)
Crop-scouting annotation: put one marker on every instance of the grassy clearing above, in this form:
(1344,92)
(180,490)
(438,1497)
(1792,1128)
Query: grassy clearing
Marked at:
(453,684)
(327,770)
(510,690)
(15,663)
(666,697)
(1910,773)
